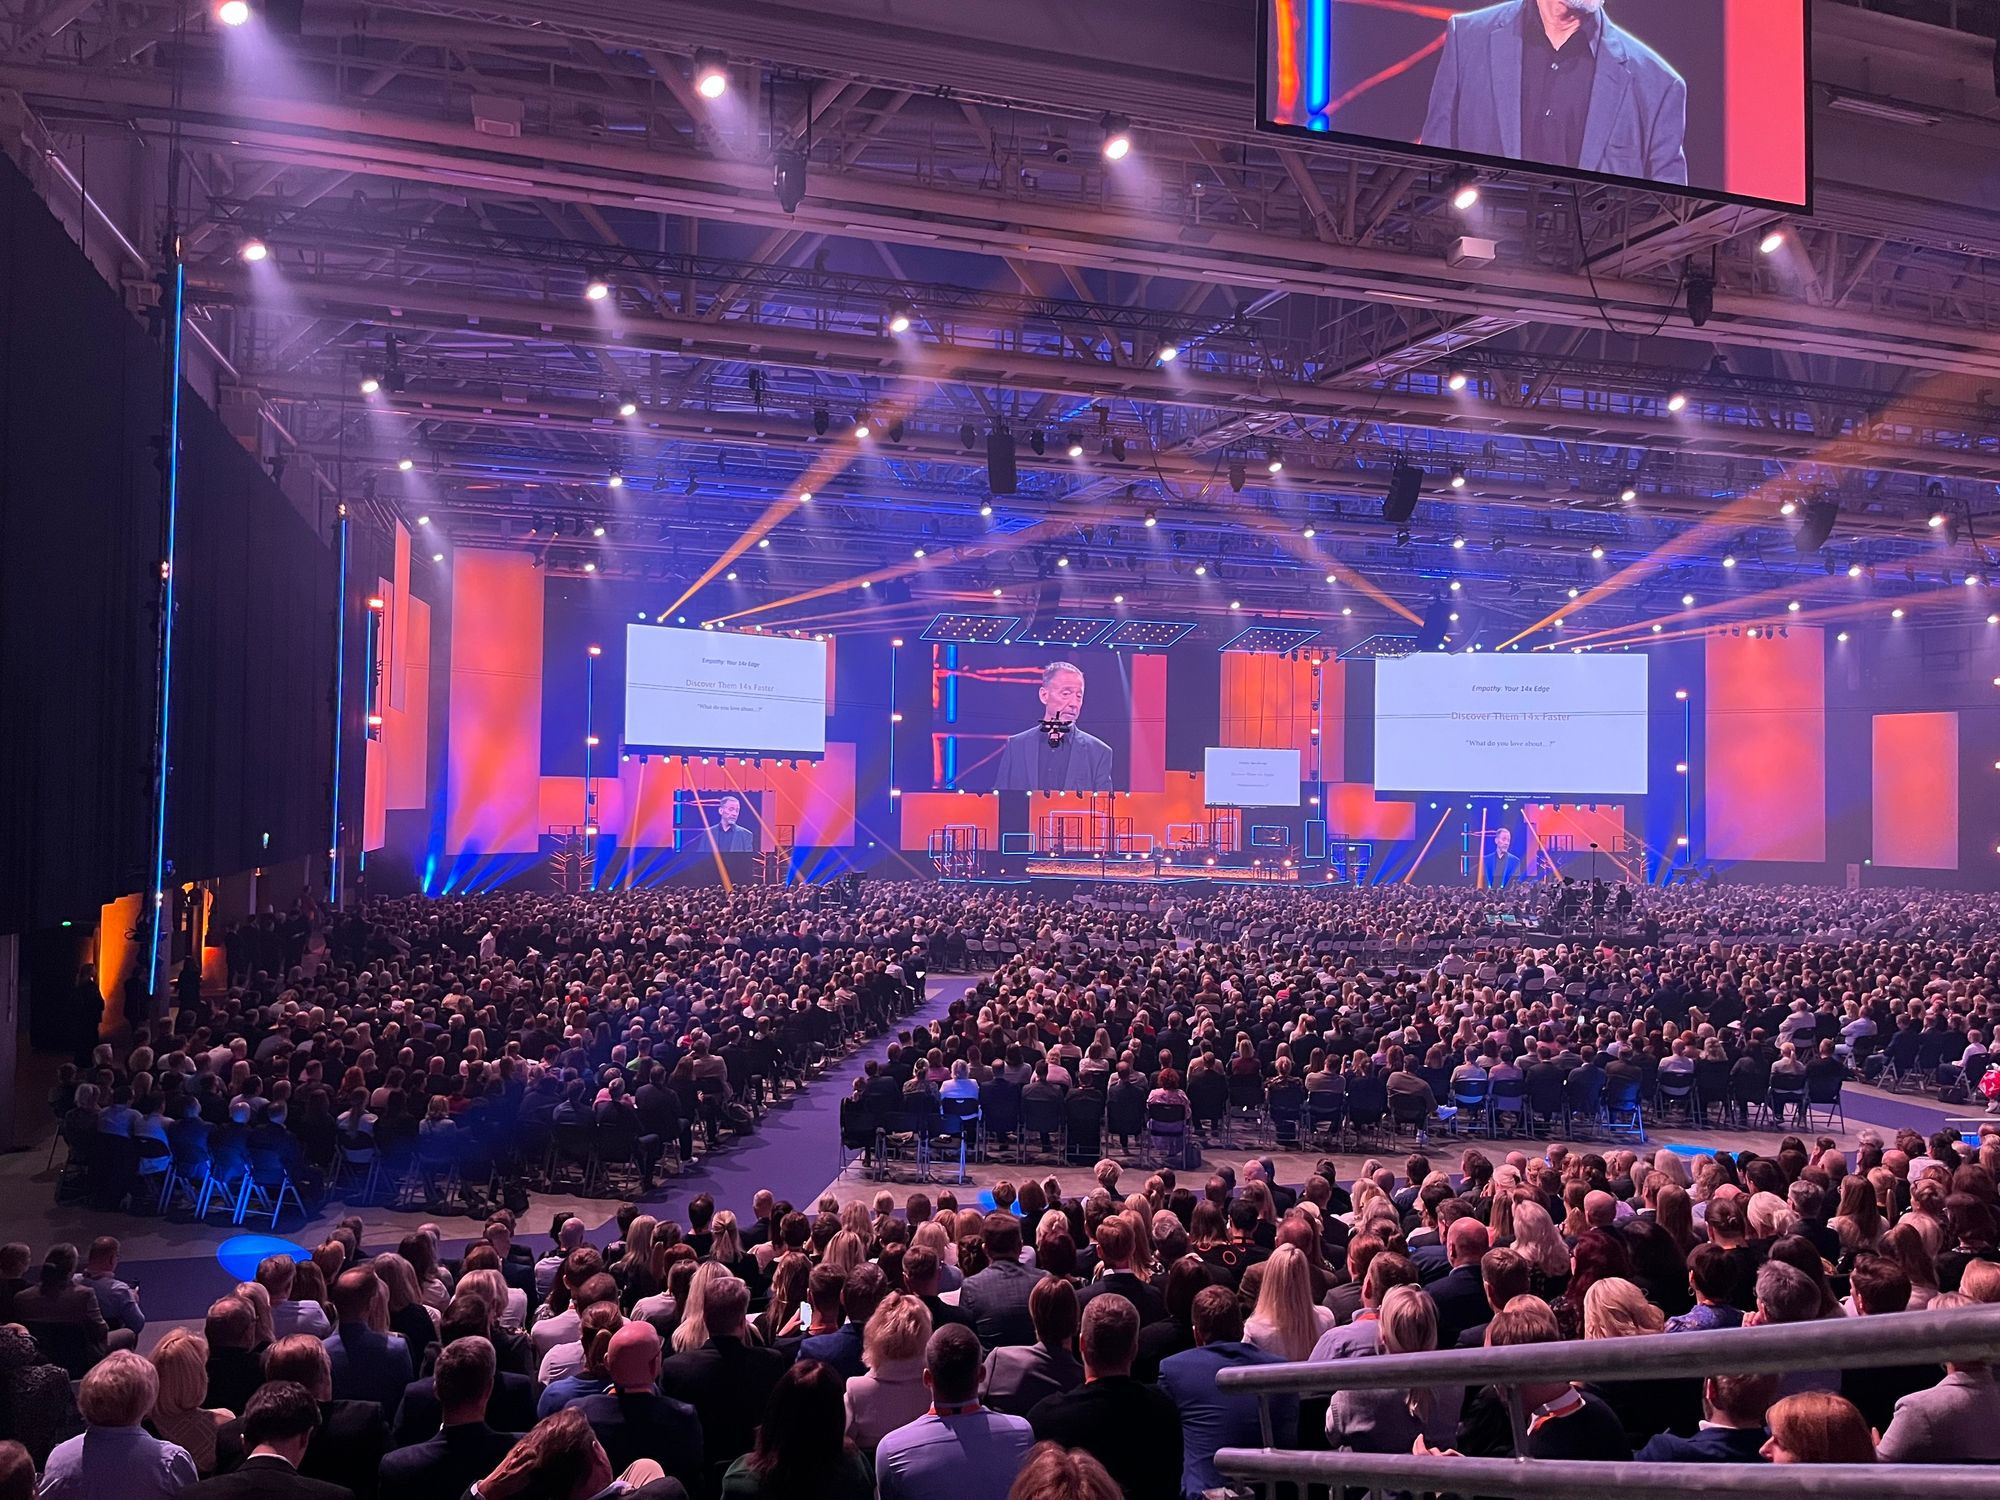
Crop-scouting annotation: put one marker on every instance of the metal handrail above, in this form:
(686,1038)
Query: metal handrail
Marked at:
(1968,1335)
(1573,1479)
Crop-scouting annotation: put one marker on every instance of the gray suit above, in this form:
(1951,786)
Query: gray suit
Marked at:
(1019,1375)
(1637,124)
(1956,1421)
(996,1300)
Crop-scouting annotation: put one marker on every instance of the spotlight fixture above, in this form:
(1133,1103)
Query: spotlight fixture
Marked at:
(370,385)
(1309,531)
(1038,442)
(1458,476)
(1687,600)
(1168,353)
(1597,554)
(1936,520)
(805,497)
(1463,190)
(615,480)
(788,178)
(1073,443)
(1457,380)
(597,289)
(1896,613)
(899,319)
(406,463)
(711,74)
(1119,448)
(1117,138)
(1238,476)
(233,12)
(1457,545)
(1700,297)
(423,520)
(861,425)
(1729,561)
(253,250)
(1628,494)
(1201,570)
(986,507)
(1276,465)
(968,436)
(598,531)
(896,430)
(1772,242)
(1854,570)
(1152,518)
(437,557)
(628,404)
(1677,401)
(1063,561)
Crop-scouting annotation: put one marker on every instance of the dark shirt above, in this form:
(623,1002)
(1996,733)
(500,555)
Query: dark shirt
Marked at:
(1555,89)
(445,1464)
(1134,1430)
(1052,762)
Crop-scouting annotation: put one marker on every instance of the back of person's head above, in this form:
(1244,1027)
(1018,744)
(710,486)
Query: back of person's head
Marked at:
(804,1431)
(1818,1427)
(465,1373)
(1504,1274)
(1465,1242)
(17,1471)
(1408,1321)
(1741,1400)
(862,1292)
(1785,1294)
(118,1391)
(1001,1234)
(824,1286)
(1980,1281)
(632,1358)
(276,1274)
(231,1324)
(1053,1307)
(281,1411)
(595,1326)
(58,1268)
(1879,1285)
(1110,1334)
(180,1361)
(551,1461)
(1386,1270)
(1615,1308)
(1525,1320)
(14,1259)
(724,1304)
(301,1359)
(1715,1273)
(1054,1472)
(354,1294)
(1114,1243)
(1217,1316)
(952,1363)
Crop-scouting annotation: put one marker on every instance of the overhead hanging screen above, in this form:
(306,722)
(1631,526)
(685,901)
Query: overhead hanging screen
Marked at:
(1705,97)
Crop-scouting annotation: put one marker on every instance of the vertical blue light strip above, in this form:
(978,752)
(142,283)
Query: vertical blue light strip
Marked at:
(1319,62)
(341,711)
(174,331)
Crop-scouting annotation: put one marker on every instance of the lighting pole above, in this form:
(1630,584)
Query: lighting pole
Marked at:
(589,744)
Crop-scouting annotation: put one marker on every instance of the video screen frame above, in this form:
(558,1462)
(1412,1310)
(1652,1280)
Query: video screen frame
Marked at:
(1265,124)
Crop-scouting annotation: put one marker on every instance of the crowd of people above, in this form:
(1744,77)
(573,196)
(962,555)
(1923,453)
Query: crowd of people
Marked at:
(1059,1344)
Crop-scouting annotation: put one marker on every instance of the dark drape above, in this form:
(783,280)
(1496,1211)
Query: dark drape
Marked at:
(81,400)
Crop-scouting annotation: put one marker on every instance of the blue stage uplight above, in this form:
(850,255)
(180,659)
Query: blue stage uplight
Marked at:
(240,1253)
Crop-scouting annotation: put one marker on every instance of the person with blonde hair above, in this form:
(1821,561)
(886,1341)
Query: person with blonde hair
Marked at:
(114,1458)
(1818,1427)
(180,1363)
(692,1330)
(1392,1420)
(892,1392)
(1614,1308)
(1770,1216)
(1287,1320)
(259,1298)
(846,1250)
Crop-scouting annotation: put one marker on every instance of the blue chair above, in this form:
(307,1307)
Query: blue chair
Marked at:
(1622,1113)
(960,1118)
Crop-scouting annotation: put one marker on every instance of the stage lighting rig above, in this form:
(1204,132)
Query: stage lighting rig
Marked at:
(1700,297)
(968,436)
(711,74)
(1238,476)
(1038,442)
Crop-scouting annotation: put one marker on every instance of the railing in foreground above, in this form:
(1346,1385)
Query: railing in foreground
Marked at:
(1967,1335)
(1569,1479)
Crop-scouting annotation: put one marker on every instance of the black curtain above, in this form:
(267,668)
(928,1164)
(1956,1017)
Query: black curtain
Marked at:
(81,407)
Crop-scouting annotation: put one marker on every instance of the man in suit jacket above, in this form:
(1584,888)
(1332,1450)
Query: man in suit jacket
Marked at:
(996,1299)
(1956,1421)
(634,1421)
(367,1366)
(1732,1429)
(727,1381)
(860,1295)
(1558,82)
(278,1428)
(725,834)
(1019,1375)
(1460,1294)
(1073,761)
(1115,1250)
(465,1450)
(920,1275)
(1211,1418)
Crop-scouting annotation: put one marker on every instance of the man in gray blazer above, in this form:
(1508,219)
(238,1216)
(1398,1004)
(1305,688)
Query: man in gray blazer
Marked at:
(996,1299)
(1956,1421)
(1558,82)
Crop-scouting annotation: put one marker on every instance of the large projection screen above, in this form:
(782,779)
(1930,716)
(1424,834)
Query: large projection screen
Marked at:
(1703,97)
(1568,726)
(702,690)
